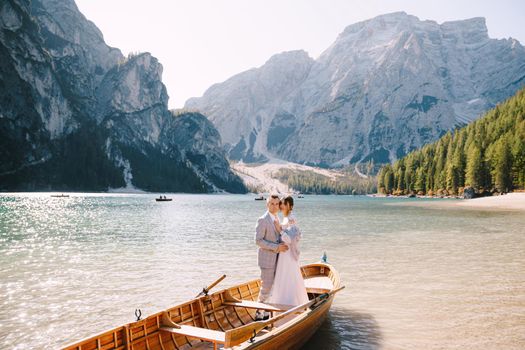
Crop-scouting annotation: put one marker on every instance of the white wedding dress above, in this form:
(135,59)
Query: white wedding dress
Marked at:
(288,286)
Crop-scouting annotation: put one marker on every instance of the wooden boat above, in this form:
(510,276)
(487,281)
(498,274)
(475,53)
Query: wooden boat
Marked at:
(260,198)
(226,320)
(163,199)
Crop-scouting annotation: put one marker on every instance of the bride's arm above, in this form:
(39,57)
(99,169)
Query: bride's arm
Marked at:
(292,220)
(286,238)
(294,245)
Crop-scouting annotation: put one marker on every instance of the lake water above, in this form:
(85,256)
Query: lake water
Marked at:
(416,278)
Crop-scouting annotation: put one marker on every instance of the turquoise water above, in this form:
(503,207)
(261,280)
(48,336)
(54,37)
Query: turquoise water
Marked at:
(417,278)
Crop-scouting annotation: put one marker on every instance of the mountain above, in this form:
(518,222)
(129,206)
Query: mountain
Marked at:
(385,87)
(488,155)
(76,114)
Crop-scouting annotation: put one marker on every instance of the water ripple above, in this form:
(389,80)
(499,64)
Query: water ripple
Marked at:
(416,278)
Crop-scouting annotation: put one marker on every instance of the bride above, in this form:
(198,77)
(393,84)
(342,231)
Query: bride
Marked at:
(288,286)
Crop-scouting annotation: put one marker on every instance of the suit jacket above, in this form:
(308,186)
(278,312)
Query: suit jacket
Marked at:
(268,240)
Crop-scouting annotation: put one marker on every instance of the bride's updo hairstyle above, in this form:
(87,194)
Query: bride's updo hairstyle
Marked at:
(289,200)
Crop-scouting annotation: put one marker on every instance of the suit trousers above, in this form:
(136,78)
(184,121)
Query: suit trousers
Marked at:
(267,277)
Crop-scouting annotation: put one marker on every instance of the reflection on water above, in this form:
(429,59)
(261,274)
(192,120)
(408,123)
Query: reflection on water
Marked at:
(416,278)
(346,329)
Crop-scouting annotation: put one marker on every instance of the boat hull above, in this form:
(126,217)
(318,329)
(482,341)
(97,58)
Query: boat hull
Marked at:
(294,336)
(209,322)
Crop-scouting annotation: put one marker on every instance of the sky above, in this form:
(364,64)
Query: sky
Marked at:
(203,42)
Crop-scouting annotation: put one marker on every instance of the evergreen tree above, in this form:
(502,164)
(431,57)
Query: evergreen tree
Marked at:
(380,181)
(503,167)
(518,155)
(474,172)
(452,178)
(389,180)
(488,153)
(440,158)
(459,161)
(420,182)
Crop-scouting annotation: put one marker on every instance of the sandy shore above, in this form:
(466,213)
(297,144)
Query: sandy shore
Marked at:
(511,201)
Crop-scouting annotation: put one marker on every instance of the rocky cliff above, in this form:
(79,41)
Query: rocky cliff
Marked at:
(76,114)
(385,87)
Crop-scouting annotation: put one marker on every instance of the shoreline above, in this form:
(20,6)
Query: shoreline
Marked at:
(509,202)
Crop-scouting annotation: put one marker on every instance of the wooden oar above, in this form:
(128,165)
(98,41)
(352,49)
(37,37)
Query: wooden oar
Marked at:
(238,335)
(205,290)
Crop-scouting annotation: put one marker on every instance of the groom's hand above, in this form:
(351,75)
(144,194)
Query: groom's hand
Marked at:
(282,248)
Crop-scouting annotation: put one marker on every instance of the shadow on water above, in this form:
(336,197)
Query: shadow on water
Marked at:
(346,329)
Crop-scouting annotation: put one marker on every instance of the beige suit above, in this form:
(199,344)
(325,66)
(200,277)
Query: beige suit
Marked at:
(268,240)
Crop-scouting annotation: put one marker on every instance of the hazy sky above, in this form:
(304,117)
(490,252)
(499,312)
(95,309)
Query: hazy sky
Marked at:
(202,42)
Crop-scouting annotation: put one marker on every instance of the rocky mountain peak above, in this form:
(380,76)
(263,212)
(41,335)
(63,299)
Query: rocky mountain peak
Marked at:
(385,87)
(474,29)
(134,85)
(76,114)
(378,28)
(288,57)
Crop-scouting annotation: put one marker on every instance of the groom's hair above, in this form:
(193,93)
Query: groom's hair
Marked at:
(289,200)
(272,196)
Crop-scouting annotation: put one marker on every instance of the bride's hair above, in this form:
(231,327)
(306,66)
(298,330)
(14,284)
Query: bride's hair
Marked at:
(289,200)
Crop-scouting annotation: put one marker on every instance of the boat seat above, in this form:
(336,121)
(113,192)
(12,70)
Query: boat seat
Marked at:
(249,304)
(313,290)
(318,285)
(216,337)
(197,332)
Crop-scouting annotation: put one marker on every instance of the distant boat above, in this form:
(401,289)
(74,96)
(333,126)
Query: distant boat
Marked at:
(60,195)
(163,199)
(300,196)
(260,198)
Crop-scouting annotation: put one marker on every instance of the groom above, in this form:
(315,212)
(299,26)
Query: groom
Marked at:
(270,245)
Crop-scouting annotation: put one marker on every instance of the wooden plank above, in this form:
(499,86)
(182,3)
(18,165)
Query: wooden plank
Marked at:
(212,322)
(91,340)
(232,317)
(218,321)
(152,342)
(250,290)
(200,312)
(317,290)
(108,346)
(246,295)
(107,339)
(197,332)
(160,342)
(239,316)
(137,335)
(223,309)
(245,315)
(174,312)
(192,315)
(126,336)
(253,305)
(173,340)
(321,282)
